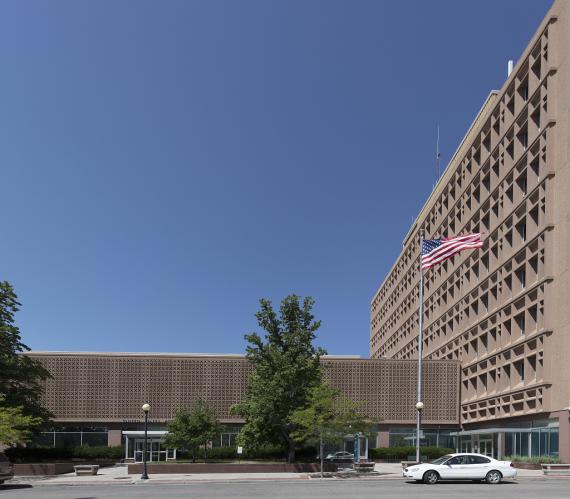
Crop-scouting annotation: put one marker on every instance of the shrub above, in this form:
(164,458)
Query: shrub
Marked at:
(533,459)
(221,453)
(34,454)
(39,454)
(402,453)
(99,452)
(308,453)
(266,452)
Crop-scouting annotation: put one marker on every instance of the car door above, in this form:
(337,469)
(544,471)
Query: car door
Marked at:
(455,468)
(478,467)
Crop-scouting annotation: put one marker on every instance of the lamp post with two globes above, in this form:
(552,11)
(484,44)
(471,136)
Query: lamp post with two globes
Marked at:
(146,409)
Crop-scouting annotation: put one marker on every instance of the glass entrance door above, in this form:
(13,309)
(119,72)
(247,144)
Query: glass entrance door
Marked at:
(486,447)
(139,449)
(153,451)
(154,447)
(466,444)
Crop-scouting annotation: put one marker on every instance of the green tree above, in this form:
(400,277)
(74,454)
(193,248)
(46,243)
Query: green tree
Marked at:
(191,429)
(286,366)
(20,376)
(327,418)
(15,427)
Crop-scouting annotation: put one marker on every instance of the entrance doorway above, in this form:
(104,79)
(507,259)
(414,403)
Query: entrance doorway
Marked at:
(486,447)
(466,445)
(155,452)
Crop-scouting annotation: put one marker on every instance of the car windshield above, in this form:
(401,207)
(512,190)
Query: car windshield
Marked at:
(442,459)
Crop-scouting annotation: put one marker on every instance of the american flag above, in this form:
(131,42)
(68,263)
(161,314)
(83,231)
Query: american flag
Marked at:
(437,250)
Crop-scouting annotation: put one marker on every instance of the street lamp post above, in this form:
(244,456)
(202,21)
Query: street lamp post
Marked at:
(146,409)
(419,408)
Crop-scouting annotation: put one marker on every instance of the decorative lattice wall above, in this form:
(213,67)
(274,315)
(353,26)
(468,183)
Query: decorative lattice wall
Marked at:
(112,387)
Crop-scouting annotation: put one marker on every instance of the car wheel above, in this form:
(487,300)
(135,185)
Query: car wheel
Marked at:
(431,477)
(493,477)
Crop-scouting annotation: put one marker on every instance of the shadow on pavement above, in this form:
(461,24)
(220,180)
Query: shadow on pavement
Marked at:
(15,486)
(464,482)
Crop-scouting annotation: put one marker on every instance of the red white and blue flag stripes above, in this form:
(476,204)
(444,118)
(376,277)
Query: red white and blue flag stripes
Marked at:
(435,251)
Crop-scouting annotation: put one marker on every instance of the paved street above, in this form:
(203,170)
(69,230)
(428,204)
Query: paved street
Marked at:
(529,488)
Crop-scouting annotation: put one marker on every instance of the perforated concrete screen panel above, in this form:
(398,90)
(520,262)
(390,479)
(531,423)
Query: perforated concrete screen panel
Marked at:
(111,387)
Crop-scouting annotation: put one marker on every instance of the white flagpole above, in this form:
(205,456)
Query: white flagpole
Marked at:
(419,403)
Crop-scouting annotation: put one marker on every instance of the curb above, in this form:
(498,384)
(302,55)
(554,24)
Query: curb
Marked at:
(150,482)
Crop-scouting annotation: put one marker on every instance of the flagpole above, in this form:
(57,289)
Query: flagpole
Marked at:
(419,403)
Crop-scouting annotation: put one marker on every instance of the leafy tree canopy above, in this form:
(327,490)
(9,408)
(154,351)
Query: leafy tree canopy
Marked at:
(193,428)
(327,417)
(20,376)
(287,366)
(15,427)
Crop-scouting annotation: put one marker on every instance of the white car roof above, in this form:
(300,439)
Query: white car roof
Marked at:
(467,454)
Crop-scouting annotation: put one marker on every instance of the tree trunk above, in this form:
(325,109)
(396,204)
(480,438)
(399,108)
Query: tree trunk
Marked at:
(290,446)
(291,453)
(205,452)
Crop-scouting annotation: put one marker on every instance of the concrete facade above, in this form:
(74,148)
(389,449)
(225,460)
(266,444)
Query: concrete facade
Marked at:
(502,311)
(111,387)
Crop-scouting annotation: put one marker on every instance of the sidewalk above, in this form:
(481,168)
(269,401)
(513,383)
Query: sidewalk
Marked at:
(117,475)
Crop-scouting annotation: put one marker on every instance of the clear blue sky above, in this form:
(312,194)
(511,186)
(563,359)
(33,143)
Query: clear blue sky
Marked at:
(164,165)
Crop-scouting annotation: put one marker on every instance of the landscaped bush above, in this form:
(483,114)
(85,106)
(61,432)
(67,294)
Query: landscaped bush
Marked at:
(220,453)
(102,452)
(265,453)
(402,453)
(307,454)
(533,459)
(39,454)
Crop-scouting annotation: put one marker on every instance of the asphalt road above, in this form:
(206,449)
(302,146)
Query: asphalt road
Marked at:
(305,489)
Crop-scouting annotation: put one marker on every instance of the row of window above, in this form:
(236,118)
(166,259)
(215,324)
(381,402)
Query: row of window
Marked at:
(508,132)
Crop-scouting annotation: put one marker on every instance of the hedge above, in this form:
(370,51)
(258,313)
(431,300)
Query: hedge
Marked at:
(533,459)
(267,452)
(402,453)
(39,454)
(35,454)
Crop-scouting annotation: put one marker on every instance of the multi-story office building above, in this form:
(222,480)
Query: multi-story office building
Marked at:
(503,311)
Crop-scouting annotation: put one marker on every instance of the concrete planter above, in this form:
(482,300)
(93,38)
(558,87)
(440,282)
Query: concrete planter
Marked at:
(526,466)
(556,469)
(196,468)
(42,469)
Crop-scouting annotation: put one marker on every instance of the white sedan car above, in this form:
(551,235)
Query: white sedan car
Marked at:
(461,467)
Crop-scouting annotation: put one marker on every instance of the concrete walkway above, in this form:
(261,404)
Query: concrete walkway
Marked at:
(117,475)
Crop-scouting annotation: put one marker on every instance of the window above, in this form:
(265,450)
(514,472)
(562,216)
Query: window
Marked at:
(478,460)
(521,181)
(521,276)
(519,366)
(458,460)
(484,342)
(520,320)
(521,229)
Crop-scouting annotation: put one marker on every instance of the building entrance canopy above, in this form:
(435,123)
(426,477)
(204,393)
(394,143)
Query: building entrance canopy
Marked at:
(155,450)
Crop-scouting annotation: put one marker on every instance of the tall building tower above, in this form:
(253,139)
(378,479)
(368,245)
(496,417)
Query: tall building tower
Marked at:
(503,311)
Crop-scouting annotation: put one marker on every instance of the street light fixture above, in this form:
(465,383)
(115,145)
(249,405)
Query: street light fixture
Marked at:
(146,409)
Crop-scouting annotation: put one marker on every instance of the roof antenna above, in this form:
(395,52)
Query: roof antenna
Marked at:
(437,154)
